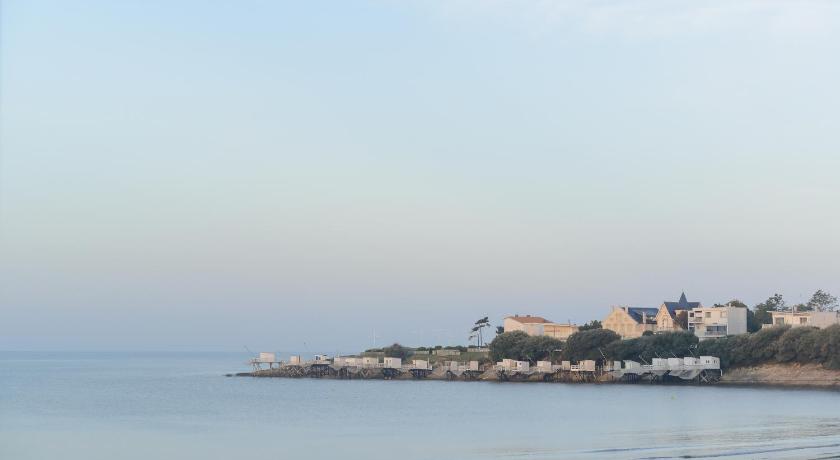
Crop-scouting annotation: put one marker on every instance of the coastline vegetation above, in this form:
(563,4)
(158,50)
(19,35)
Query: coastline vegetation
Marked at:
(777,344)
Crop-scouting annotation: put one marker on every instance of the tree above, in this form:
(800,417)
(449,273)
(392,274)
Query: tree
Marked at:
(788,344)
(822,301)
(521,346)
(500,330)
(539,348)
(774,303)
(478,327)
(651,346)
(594,324)
(587,344)
(397,351)
(763,345)
(802,307)
(507,345)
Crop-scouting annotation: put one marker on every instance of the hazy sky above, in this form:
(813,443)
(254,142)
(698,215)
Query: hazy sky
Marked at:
(296,175)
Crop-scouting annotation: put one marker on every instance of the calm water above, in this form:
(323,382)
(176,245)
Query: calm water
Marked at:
(159,406)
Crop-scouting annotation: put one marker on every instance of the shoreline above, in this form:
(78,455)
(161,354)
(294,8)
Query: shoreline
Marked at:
(781,376)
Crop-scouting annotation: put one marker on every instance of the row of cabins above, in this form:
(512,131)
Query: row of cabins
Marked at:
(373,362)
(512,365)
(687,368)
(681,315)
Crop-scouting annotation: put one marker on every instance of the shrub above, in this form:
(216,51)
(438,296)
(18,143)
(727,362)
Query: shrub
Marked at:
(830,346)
(763,345)
(787,347)
(651,346)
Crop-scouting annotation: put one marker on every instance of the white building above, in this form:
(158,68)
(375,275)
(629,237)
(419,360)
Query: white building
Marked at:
(513,365)
(393,363)
(267,357)
(819,319)
(420,364)
(716,322)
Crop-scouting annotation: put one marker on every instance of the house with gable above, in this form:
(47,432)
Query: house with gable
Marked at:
(673,316)
(631,322)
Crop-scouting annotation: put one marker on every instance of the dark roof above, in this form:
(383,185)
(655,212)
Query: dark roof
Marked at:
(637,313)
(682,304)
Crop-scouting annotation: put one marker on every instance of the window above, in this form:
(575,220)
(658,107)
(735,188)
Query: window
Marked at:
(715,330)
(779,321)
(708,314)
(803,320)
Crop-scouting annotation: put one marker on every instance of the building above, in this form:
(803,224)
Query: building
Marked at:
(631,322)
(672,316)
(819,319)
(716,322)
(560,331)
(531,325)
(393,363)
(536,325)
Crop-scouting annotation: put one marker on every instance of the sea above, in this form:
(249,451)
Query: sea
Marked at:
(162,405)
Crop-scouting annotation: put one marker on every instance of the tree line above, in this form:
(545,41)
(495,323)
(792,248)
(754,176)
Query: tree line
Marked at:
(780,344)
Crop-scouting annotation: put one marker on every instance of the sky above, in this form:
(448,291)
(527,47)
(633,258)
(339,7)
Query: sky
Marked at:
(326,176)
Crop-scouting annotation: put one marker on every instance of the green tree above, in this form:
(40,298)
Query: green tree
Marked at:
(500,330)
(802,307)
(507,345)
(477,330)
(787,347)
(594,324)
(541,348)
(521,346)
(774,303)
(397,351)
(822,301)
(763,345)
(829,343)
(588,344)
(651,346)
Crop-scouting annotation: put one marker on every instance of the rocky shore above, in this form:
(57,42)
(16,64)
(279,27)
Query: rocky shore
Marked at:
(775,375)
(784,375)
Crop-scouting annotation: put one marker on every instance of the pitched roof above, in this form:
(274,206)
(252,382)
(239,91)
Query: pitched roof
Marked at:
(682,304)
(529,319)
(638,313)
